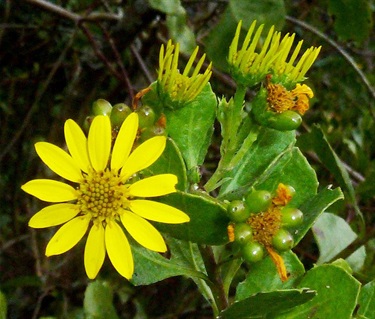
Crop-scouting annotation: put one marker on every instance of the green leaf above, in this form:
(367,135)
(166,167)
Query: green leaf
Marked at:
(191,126)
(366,301)
(255,164)
(151,267)
(170,161)
(352,18)
(337,294)
(312,209)
(208,220)
(263,276)
(333,234)
(269,12)
(268,304)
(3,306)
(317,141)
(98,301)
(167,6)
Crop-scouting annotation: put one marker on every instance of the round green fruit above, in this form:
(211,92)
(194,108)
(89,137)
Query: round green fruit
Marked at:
(119,113)
(291,217)
(146,116)
(252,252)
(243,233)
(286,121)
(101,107)
(258,201)
(237,211)
(282,240)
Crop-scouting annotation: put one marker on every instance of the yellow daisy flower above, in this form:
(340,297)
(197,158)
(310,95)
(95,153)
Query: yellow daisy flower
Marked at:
(104,199)
(249,67)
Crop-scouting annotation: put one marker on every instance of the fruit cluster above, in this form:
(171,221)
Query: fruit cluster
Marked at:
(259,222)
(149,126)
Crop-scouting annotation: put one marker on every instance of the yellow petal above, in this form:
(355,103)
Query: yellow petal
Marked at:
(157,185)
(94,251)
(77,144)
(143,232)
(67,236)
(143,156)
(118,250)
(50,190)
(124,141)
(53,215)
(99,142)
(158,212)
(59,161)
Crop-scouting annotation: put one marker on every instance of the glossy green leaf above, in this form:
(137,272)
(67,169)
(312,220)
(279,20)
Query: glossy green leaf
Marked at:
(269,12)
(167,6)
(263,276)
(337,293)
(208,220)
(268,304)
(271,148)
(333,234)
(366,301)
(171,162)
(3,306)
(98,301)
(151,267)
(317,141)
(352,18)
(191,126)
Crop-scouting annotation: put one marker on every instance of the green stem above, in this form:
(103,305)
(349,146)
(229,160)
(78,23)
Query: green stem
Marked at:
(215,283)
(231,125)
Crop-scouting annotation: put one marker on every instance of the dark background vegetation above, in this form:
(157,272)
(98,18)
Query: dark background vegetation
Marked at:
(55,61)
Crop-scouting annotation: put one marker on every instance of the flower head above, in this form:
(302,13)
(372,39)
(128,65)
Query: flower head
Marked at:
(249,67)
(104,199)
(279,99)
(180,87)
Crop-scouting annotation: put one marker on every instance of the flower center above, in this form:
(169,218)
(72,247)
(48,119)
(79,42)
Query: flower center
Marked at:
(102,194)
(265,225)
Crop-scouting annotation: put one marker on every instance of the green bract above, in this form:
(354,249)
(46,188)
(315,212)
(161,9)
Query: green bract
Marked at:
(238,211)
(282,240)
(258,201)
(252,252)
(146,116)
(291,217)
(119,113)
(243,233)
(101,107)
(286,121)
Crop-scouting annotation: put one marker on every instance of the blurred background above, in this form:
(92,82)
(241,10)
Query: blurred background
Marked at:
(57,57)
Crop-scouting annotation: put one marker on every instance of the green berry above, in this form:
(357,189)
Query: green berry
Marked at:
(258,201)
(252,252)
(291,217)
(286,121)
(146,116)
(101,107)
(282,240)
(243,233)
(119,113)
(237,211)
